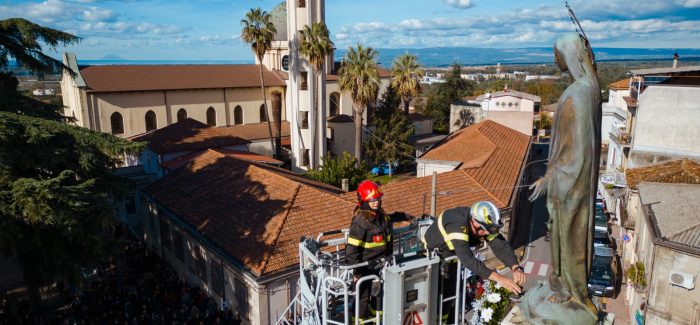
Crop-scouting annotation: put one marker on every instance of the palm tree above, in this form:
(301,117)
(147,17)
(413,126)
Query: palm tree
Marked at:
(21,39)
(406,75)
(259,32)
(316,45)
(359,76)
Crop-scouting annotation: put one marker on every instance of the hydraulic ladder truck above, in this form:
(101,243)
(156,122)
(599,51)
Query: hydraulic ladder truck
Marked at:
(407,283)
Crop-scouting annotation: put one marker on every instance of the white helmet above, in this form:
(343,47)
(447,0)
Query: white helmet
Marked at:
(486,215)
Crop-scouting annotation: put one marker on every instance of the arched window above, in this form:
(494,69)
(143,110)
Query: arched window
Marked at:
(263,116)
(285,63)
(211,116)
(181,115)
(334,106)
(238,115)
(117,123)
(151,123)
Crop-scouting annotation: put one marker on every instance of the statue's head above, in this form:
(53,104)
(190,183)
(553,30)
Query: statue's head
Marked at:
(572,54)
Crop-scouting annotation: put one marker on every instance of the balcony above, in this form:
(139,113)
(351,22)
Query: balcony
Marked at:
(624,139)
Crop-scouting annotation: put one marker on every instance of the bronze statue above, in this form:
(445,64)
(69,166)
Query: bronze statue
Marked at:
(570,183)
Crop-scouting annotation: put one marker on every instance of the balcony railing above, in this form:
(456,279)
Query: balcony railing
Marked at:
(621,137)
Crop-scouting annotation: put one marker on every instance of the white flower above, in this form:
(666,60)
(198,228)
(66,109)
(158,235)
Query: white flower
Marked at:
(486,314)
(475,318)
(498,286)
(493,297)
(476,304)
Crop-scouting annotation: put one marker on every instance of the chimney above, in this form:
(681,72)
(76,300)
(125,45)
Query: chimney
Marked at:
(675,60)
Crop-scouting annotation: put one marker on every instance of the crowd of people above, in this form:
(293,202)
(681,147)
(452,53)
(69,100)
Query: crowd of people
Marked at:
(140,289)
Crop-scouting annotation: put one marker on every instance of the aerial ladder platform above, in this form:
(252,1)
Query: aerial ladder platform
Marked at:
(407,283)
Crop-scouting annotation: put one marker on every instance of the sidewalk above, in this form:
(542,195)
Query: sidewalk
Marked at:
(617,305)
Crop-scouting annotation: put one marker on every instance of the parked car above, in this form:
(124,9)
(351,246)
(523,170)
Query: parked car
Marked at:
(604,277)
(601,222)
(601,238)
(385,169)
(600,206)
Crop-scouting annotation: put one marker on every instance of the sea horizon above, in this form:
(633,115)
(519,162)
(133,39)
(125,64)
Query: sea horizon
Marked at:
(465,56)
(442,57)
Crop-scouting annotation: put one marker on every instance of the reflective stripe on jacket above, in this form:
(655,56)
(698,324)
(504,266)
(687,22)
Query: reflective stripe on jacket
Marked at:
(451,235)
(370,235)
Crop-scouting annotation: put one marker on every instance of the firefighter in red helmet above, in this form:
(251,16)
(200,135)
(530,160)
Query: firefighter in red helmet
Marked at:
(369,238)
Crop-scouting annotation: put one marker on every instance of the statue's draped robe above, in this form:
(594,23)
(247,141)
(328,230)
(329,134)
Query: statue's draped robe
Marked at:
(572,175)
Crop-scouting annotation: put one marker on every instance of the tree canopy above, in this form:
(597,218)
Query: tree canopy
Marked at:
(406,76)
(22,40)
(334,170)
(359,77)
(442,95)
(56,195)
(316,45)
(57,189)
(259,31)
(389,140)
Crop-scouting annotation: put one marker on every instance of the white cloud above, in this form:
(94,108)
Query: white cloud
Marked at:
(515,28)
(47,11)
(98,14)
(689,3)
(461,4)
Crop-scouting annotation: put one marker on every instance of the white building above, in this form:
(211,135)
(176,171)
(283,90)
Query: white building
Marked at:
(615,109)
(513,109)
(661,125)
(665,241)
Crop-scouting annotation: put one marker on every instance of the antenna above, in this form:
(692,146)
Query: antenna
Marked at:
(574,20)
(581,34)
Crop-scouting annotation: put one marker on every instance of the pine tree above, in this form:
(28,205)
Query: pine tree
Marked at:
(389,142)
(57,189)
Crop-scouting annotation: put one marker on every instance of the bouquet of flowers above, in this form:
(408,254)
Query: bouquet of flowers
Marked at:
(492,305)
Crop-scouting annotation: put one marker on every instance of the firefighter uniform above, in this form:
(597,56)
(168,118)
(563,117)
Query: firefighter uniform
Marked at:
(451,235)
(369,238)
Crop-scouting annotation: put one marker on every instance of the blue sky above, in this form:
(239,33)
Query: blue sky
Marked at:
(209,29)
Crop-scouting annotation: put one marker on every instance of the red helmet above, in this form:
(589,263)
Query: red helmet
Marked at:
(368,190)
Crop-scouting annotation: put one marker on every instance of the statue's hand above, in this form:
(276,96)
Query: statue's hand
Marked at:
(540,188)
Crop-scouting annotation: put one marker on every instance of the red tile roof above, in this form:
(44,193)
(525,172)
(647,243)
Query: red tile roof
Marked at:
(622,84)
(490,153)
(455,188)
(256,213)
(115,78)
(189,135)
(178,162)
(256,131)
(682,171)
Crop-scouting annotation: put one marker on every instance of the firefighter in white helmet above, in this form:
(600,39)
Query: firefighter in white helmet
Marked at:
(455,231)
